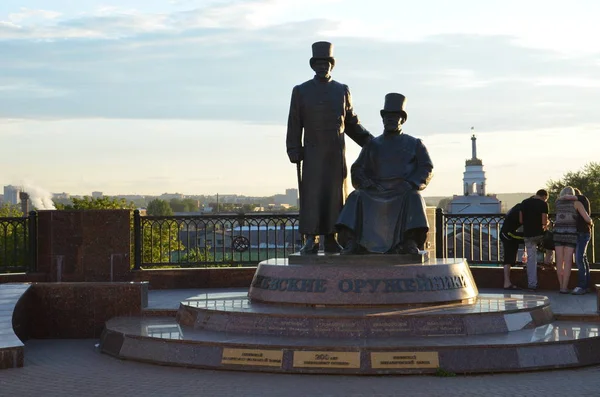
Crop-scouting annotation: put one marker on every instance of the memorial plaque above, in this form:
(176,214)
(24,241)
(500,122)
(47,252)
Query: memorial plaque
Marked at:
(326,359)
(404,360)
(263,358)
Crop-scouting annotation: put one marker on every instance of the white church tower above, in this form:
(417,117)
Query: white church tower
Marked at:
(474,175)
(474,199)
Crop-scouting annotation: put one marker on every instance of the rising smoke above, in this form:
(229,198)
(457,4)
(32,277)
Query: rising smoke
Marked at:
(40,198)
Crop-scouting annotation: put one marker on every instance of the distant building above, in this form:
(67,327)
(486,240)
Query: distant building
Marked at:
(169,196)
(291,197)
(97,195)
(474,199)
(11,194)
(61,196)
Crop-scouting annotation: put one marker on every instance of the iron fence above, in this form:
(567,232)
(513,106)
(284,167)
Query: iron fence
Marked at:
(247,239)
(213,239)
(476,238)
(18,245)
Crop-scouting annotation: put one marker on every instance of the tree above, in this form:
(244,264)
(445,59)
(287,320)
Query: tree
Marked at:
(444,203)
(13,242)
(158,207)
(587,180)
(10,211)
(177,205)
(100,203)
(191,205)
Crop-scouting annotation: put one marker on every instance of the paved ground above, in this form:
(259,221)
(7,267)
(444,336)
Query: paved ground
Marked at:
(75,368)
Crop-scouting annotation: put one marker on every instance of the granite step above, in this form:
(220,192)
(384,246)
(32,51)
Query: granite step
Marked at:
(162,340)
(11,347)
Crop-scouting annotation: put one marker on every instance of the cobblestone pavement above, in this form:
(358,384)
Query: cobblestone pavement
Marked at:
(76,368)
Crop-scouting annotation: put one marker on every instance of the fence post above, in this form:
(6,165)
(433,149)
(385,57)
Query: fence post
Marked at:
(137,240)
(32,226)
(439,233)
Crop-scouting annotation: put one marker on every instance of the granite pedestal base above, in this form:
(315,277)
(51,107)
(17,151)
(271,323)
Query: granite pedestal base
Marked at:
(355,315)
(495,333)
(364,280)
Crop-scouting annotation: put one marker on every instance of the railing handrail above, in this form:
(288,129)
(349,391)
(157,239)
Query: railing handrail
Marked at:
(449,226)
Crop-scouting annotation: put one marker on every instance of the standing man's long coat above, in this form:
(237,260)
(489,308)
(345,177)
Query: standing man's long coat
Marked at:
(323,109)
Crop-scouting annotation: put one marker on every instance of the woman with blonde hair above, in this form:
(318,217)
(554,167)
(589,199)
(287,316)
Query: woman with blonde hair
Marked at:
(565,234)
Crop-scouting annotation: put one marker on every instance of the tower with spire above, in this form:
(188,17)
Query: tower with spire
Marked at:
(474,199)
(474,175)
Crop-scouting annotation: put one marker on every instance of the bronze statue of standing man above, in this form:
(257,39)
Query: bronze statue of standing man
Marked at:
(322,108)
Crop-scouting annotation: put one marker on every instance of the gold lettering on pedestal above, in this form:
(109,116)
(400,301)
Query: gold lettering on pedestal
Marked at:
(404,360)
(263,358)
(326,359)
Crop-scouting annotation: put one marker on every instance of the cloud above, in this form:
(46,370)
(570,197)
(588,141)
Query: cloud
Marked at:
(234,61)
(26,14)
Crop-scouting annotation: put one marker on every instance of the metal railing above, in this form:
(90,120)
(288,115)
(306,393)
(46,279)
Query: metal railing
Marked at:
(18,245)
(213,239)
(247,239)
(475,237)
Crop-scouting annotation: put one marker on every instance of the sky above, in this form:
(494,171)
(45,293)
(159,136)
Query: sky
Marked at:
(192,96)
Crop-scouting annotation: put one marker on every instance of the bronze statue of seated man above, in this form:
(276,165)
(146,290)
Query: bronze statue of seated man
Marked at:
(386,213)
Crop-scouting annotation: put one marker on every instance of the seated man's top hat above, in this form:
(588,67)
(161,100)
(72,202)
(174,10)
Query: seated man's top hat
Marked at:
(322,50)
(394,103)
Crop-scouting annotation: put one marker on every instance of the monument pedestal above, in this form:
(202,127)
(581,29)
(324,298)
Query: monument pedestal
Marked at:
(362,280)
(358,315)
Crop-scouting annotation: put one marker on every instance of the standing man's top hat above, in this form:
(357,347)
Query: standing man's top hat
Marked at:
(322,50)
(394,103)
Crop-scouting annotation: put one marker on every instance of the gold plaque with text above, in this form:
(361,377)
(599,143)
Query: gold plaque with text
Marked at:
(405,360)
(263,358)
(312,359)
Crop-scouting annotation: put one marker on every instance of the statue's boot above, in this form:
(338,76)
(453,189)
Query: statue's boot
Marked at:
(351,248)
(311,246)
(331,246)
(410,247)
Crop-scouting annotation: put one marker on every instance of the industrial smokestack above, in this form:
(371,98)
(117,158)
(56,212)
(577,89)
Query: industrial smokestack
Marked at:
(24,203)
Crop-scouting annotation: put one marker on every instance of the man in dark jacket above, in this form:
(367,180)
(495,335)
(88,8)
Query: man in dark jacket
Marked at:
(322,108)
(511,239)
(386,213)
(534,217)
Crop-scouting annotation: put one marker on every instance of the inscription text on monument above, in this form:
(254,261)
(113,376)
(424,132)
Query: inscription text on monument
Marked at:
(405,360)
(420,283)
(265,358)
(326,359)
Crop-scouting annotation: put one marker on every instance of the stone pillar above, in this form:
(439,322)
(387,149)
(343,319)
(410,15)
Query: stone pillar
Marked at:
(430,244)
(84,245)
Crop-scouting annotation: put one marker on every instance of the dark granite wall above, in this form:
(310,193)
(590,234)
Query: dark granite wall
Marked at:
(90,245)
(78,309)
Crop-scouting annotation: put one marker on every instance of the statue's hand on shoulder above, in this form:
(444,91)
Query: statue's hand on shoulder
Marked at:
(296,156)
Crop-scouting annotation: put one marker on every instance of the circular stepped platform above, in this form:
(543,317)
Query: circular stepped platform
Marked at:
(504,332)
(487,314)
